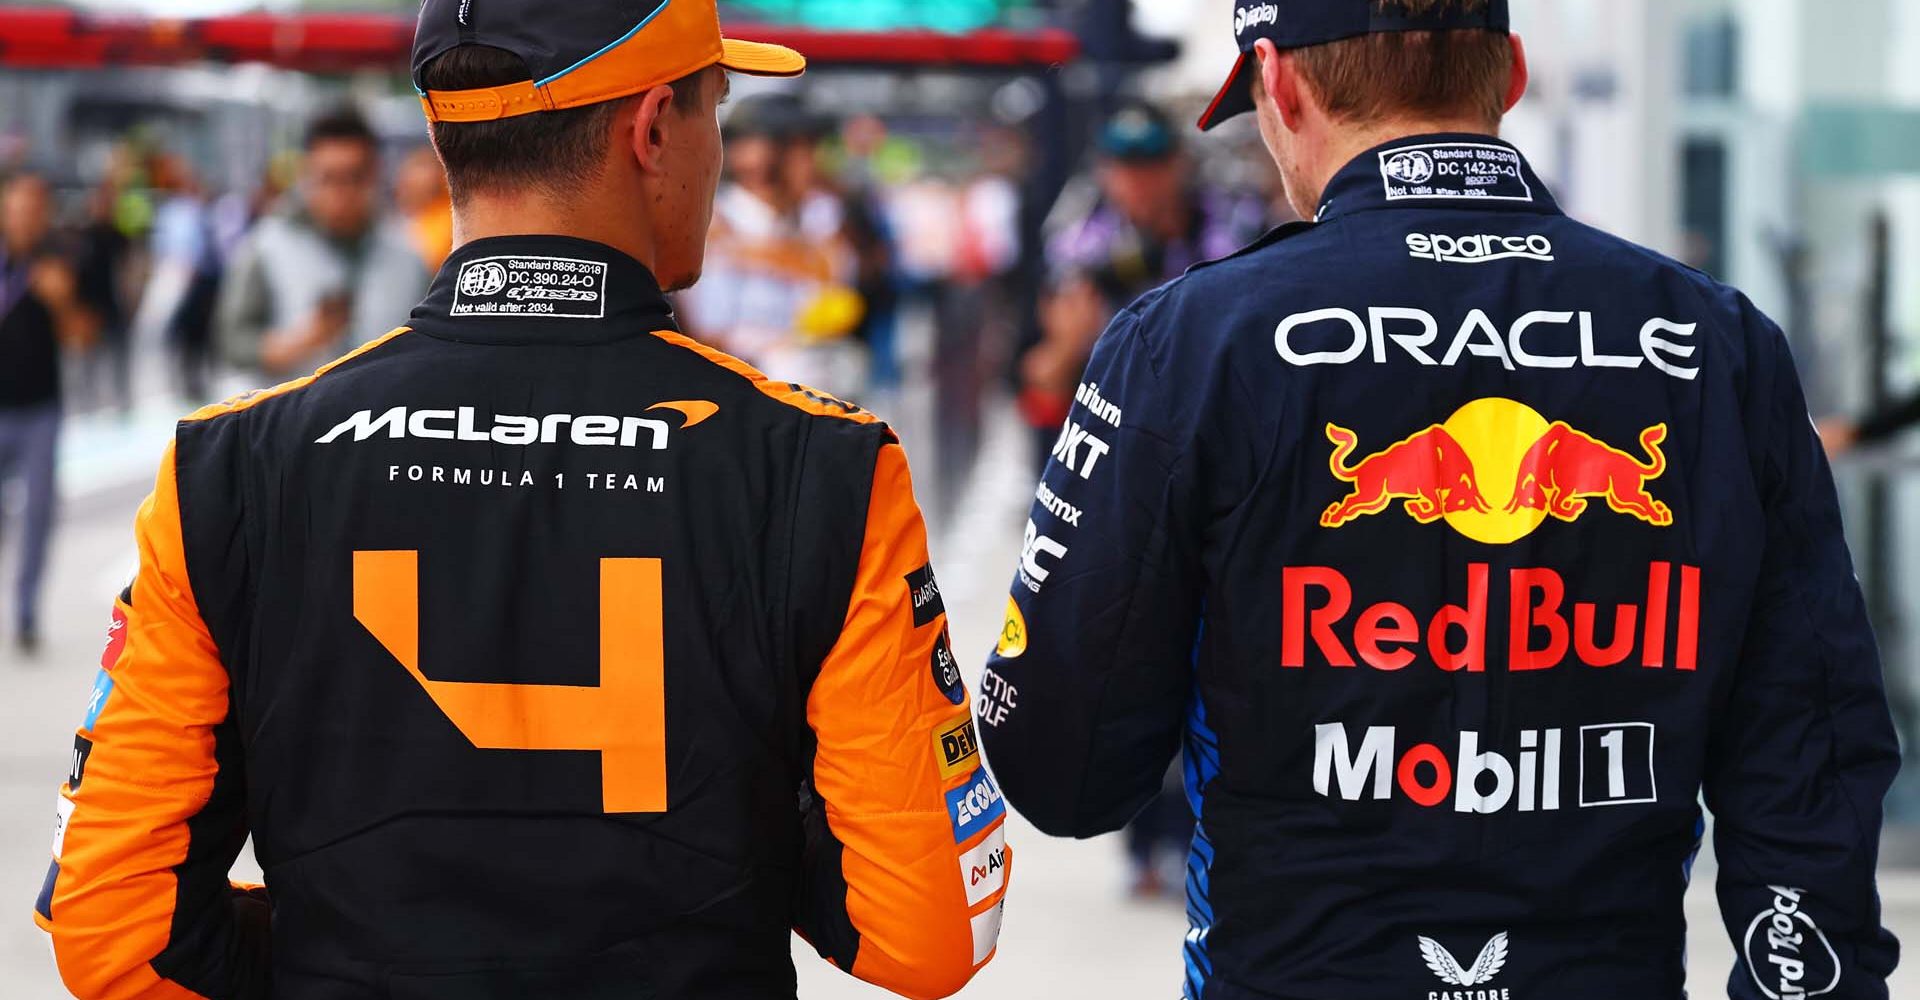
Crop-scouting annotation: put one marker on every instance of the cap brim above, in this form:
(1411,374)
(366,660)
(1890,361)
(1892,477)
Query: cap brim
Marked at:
(1235,99)
(760,58)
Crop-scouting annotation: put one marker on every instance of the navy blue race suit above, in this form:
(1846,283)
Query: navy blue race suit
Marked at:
(1463,545)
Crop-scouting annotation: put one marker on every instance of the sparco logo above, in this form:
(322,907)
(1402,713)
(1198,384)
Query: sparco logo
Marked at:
(1798,960)
(463,424)
(1253,17)
(1413,167)
(1478,249)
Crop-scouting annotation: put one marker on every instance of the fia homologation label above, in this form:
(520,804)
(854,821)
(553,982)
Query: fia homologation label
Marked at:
(1455,170)
(537,287)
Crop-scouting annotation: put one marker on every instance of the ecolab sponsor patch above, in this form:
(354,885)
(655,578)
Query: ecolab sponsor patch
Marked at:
(1455,170)
(974,806)
(958,748)
(986,932)
(983,870)
(531,287)
(925,592)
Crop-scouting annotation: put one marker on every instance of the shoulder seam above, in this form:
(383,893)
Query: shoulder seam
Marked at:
(807,400)
(247,401)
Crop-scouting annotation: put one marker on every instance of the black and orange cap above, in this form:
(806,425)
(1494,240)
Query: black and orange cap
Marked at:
(582,52)
(1297,24)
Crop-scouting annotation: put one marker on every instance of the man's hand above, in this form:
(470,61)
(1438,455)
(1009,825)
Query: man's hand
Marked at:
(1839,435)
(284,349)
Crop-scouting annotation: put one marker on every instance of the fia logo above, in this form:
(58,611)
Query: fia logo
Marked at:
(1412,167)
(482,279)
(1492,959)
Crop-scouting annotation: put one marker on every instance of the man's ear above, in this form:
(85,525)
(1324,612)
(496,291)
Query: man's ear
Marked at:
(1518,87)
(652,117)
(1278,74)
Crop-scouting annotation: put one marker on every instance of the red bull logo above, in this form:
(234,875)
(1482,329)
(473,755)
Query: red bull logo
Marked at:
(1495,471)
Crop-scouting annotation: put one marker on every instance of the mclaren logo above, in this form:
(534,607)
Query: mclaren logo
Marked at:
(1492,959)
(465,424)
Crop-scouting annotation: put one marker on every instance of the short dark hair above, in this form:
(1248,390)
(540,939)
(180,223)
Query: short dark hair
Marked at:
(557,151)
(1378,76)
(344,123)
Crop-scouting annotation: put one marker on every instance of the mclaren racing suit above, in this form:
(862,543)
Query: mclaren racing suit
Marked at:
(1465,546)
(543,653)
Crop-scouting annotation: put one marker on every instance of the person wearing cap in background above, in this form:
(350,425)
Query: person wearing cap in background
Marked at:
(542,651)
(1144,223)
(778,291)
(1465,546)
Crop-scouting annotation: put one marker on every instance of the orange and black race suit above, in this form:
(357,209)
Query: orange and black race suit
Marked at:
(543,653)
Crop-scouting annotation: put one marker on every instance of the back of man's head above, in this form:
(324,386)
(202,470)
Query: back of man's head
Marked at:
(556,154)
(1400,75)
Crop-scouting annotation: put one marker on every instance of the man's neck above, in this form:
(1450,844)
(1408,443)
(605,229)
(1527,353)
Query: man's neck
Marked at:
(482,217)
(1347,144)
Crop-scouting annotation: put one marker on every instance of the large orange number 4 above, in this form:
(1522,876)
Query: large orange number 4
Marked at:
(625,718)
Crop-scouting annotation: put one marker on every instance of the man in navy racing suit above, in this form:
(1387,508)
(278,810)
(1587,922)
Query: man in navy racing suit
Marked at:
(1464,546)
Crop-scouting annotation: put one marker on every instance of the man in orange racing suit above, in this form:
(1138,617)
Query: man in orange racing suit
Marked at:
(542,652)
(1466,546)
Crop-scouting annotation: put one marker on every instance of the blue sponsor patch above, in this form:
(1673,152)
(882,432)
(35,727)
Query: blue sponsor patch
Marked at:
(974,806)
(102,688)
(43,904)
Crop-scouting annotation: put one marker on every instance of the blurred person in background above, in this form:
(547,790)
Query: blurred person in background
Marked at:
(100,266)
(516,703)
(1144,222)
(779,287)
(325,274)
(40,310)
(1149,222)
(186,249)
(1467,548)
(420,195)
(1842,435)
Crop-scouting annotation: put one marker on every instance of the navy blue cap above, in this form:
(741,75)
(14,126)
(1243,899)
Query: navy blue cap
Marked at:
(1297,24)
(1138,132)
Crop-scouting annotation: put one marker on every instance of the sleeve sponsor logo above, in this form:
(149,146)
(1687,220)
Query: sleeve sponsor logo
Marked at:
(1543,339)
(1052,503)
(62,814)
(116,640)
(1034,572)
(983,870)
(97,700)
(1013,633)
(1088,395)
(986,933)
(77,767)
(531,288)
(1455,170)
(997,698)
(1079,450)
(1788,954)
(958,748)
(974,806)
(946,670)
(925,592)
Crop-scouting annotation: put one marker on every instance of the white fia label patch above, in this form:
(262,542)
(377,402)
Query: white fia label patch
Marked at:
(1455,170)
(533,287)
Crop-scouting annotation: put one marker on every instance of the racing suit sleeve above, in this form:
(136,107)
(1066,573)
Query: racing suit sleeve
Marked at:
(152,815)
(1082,704)
(1804,751)
(907,860)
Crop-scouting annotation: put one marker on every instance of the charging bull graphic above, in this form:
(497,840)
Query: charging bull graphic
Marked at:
(1429,470)
(1554,470)
(1567,465)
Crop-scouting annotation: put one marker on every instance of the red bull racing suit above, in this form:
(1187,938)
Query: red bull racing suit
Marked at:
(1464,546)
(543,653)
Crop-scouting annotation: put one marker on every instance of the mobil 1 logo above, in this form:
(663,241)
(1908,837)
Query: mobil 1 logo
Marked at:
(531,287)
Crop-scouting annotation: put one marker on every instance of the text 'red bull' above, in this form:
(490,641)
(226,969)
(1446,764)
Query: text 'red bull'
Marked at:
(1541,632)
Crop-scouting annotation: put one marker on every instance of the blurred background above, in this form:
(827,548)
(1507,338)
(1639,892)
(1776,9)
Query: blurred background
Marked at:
(203,196)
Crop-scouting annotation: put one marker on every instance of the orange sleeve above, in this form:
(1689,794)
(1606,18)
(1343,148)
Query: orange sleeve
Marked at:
(152,814)
(919,822)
